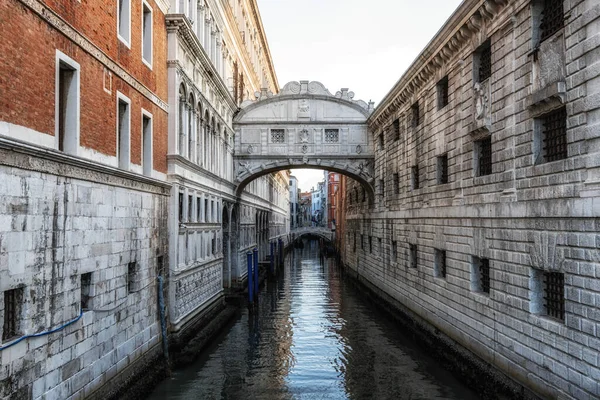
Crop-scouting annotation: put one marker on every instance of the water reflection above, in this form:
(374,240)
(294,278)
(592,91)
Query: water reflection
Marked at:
(312,337)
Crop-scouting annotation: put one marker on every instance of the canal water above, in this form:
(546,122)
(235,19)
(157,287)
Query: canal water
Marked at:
(313,337)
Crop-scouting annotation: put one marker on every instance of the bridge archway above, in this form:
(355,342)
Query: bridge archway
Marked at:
(304,126)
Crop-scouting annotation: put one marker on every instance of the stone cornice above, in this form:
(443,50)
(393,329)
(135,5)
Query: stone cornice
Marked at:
(163,5)
(54,20)
(467,20)
(23,155)
(178,23)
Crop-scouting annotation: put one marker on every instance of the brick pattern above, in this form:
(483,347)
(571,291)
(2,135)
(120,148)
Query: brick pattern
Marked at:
(522,217)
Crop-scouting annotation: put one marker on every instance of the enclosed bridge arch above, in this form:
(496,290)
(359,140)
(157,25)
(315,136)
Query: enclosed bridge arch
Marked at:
(304,126)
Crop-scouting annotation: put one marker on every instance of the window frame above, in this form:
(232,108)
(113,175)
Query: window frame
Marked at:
(73,141)
(125,40)
(124,163)
(151,34)
(147,144)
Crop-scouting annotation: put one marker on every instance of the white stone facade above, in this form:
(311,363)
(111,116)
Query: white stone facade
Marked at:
(441,214)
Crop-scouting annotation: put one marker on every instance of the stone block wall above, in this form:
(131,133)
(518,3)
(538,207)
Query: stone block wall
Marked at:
(55,229)
(529,217)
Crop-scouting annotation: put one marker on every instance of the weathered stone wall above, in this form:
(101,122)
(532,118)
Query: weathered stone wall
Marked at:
(55,228)
(527,216)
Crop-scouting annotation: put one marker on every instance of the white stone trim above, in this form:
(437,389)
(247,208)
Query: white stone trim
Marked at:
(72,142)
(26,134)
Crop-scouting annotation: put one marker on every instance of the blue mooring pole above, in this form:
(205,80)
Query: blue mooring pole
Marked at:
(272,265)
(250,276)
(256,272)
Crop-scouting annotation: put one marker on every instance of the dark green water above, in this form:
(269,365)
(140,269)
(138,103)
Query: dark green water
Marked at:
(313,337)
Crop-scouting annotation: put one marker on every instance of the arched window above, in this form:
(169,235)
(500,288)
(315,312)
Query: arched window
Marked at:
(199,134)
(190,126)
(181,127)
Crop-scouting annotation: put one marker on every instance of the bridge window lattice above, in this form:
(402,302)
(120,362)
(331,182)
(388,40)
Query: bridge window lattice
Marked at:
(332,135)
(277,135)
(553,18)
(12,311)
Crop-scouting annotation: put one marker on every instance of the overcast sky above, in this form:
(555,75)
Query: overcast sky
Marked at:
(361,45)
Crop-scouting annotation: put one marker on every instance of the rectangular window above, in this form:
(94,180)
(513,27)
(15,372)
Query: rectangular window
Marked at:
(483,62)
(396,129)
(554,294)
(213,246)
(442,169)
(124,21)
(147,144)
(394,252)
(190,208)
(332,135)
(362,242)
(553,18)
(442,93)
(198,209)
(123,137)
(212,211)
(370,244)
(414,176)
(86,291)
(354,244)
(396,179)
(67,104)
(416,115)
(440,263)
(147,34)
(381,187)
(553,128)
(483,153)
(132,277)
(13,299)
(380,140)
(180,209)
(412,248)
(277,135)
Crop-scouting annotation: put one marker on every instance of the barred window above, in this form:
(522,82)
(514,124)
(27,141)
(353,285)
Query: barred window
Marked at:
(442,169)
(13,299)
(396,129)
(332,135)
(480,275)
(440,263)
(414,172)
(483,61)
(394,252)
(86,291)
(553,18)
(362,241)
(370,244)
(277,135)
(416,116)
(132,277)
(442,92)
(483,149)
(396,179)
(190,207)
(380,140)
(554,294)
(381,187)
(180,205)
(413,255)
(554,135)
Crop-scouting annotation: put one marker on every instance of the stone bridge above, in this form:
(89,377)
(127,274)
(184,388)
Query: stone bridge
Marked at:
(325,233)
(304,126)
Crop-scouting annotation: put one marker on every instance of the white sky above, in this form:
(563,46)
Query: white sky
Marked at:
(362,45)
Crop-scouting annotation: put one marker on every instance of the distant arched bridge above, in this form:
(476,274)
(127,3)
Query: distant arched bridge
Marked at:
(325,233)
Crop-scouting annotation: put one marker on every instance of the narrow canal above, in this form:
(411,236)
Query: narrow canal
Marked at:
(313,337)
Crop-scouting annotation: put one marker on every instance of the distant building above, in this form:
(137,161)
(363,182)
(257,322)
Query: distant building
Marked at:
(294,203)
(333,198)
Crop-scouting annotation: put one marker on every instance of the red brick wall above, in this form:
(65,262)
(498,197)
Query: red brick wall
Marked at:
(27,74)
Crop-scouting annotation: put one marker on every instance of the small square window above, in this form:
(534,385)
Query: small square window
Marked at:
(442,93)
(332,135)
(548,293)
(483,155)
(442,169)
(413,255)
(440,263)
(13,300)
(480,275)
(553,18)
(414,176)
(277,135)
(86,291)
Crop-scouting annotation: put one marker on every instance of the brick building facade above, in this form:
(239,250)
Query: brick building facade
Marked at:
(485,220)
